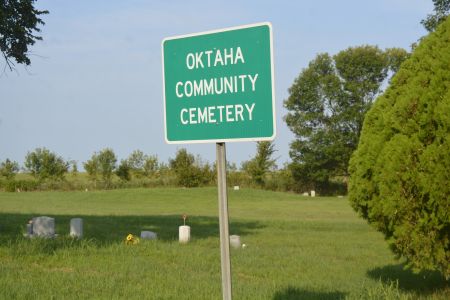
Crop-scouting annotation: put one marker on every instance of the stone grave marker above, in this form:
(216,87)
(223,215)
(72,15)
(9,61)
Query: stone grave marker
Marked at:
(235,241)
(76,228)
(43,226)
(184,233)
(148,235)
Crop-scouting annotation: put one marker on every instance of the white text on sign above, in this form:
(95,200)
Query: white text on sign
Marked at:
(240,83)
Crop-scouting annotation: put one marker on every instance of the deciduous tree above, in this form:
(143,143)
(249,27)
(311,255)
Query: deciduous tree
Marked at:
(102,163)
(43,164)
(327,103)
(123,171)
(8,169)
(261,163)
(187,172)
(441,11)
(19,21)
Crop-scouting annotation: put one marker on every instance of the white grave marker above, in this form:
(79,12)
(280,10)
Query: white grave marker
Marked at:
(184,233)
(235,241)
(76,228)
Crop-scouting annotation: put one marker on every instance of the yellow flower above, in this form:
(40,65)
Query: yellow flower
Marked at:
(129,237)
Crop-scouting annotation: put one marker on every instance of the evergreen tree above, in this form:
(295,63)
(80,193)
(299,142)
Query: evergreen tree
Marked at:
(400,172)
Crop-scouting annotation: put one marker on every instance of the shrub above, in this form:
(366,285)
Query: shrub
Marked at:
(187,172)
(123,171)
(102,163)
(9,169)
(21,185)
(400,171)
(43,165)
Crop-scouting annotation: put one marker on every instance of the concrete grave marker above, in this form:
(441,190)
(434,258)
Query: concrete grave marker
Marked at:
(235,241)
(184,233)
(76,228)
(43,226)
(148,235)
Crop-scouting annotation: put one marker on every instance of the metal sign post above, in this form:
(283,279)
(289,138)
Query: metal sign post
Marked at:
(223,220)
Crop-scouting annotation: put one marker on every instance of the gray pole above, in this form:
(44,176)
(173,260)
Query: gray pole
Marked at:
(223,220)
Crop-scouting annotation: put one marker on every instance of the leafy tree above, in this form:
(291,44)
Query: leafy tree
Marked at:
(92,168)
(102,163)
(74,167)
(141,164)
(9,169)
(43,164)
(107,164)
(261,163)
(151,165)
(327,104)
(123,171)
(231,167)
(19,22)
(187,172)
(136,162)
(441,11)
(400,172)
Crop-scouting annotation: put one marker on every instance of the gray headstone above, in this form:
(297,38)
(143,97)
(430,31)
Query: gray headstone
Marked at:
(76,228)
(235,241)
(148,235)
(44,226)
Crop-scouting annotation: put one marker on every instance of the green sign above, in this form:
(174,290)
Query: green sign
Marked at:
(218,86)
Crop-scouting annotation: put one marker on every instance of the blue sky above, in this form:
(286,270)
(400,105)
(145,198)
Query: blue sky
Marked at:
(96,80)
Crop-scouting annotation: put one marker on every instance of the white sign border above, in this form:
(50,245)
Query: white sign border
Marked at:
(256,139)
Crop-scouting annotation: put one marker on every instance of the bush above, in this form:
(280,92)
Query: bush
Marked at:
(102,163)
(189,172)
(400,171)
(123,171)
(21,185)
(44,165)
(8,169)
(280,180)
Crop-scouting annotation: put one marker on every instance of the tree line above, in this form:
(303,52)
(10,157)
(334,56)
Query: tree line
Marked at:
(103,170)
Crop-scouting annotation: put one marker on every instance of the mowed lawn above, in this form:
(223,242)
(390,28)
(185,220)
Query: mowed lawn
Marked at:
(297,248)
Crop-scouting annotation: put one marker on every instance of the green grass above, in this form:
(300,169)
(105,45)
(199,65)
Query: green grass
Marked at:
(298,248)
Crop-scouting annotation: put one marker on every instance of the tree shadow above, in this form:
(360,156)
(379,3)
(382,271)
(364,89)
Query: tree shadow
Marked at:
(423,283)
(292,293)
(106,230)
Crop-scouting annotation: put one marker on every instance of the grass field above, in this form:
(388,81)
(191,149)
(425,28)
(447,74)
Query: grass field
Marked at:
(297,248)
